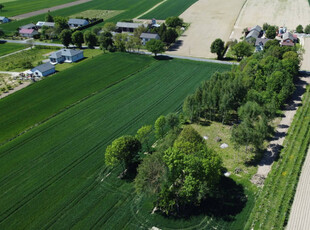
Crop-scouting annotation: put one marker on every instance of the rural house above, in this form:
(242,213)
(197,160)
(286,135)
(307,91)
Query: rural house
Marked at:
(254,33)
(47,24)
(145,37)
(29,26)
(66,55)
(260,43)
(43,70)
(75,23)
(28,33)
(127,26)
(4,19)
(288,39)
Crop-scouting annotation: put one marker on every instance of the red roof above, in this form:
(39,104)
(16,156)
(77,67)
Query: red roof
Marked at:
(26,31)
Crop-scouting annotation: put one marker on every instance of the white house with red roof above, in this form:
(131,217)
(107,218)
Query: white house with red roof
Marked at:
(28,33)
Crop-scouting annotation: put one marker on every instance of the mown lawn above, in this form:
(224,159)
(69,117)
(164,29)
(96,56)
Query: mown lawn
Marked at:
(6,48)
(54,175)
(168,9)
(131,9)
(45,98)
(17,7)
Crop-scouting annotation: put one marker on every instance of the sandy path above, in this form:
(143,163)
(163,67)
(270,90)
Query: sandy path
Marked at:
(46,10)
(306,58)
(299,218)
(149,10)
(210,19)
(276,143)
(278,12)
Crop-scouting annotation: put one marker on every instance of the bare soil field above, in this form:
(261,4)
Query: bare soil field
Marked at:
(306,58)
(300,215)
(210,19)
(277,12)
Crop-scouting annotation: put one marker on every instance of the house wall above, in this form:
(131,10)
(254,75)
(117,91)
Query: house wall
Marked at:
(78,57)
(46,73)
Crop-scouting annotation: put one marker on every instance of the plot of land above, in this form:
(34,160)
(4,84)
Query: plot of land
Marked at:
(276,12)
(54,175)
(210,19)
(306,58)
(104,14)
(168,9)
(7,48)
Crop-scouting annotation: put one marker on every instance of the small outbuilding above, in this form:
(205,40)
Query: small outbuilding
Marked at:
(47,24)
(254,33)
(4,19)
(28,33)
(66,55)
(127,26)
(75,23)
(260,43)
(145,37)
(43,70)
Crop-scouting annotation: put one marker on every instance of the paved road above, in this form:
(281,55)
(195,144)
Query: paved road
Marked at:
(300,213)
(140,52)
(46,10)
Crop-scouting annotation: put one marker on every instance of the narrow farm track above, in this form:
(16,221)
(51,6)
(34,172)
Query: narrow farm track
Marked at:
(50,9)
(54,175)
(300,215)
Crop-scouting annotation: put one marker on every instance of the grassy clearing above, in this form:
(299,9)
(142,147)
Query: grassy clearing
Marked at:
(131,8)
(17,7)
(71,85)
(88,53)
(168,9)
(6,48)
(62,182)
(274,201)
(17,62)
(104,14)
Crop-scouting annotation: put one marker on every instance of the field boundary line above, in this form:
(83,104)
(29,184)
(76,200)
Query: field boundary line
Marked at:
(238,19)
(149,10)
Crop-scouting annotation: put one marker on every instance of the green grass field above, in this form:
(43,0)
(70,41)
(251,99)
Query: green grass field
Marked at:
(54,175)
(274,201)
(168,9)
(17,7)
(131,8)
(45,98)
(6,48)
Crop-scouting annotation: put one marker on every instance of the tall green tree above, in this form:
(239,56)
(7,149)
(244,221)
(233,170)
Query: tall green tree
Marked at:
(217,47)
(170,36)
(61,23)
(299,29)
(242,49)
(78,38)
(144,135)
(120,41)
(109,27)
(66,37)
(271,32)
(155,46)
(49,18)
(90,39)
(123,150)
(174,21)
(160,125)
(307,29)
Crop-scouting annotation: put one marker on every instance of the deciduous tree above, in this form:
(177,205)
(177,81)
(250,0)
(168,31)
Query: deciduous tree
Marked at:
(155,46)
(90,39)
(65,37)
(160,125)
(218,47)
(144,135)
(78,38)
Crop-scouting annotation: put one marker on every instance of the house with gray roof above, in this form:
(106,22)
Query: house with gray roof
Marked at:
(288,39)
(254,33)
(75,23)
(4,19)
(260,43)
(127,26)
(145,37)
(43,70)
(47,24)
(29,26)
(66,55)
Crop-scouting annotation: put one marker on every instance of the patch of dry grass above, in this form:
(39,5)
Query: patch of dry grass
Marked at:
(104,14)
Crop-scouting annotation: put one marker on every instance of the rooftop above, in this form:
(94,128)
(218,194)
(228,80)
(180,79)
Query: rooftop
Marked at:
(65,52)
(77,21)
(44,67)
(149,35)
(128,25)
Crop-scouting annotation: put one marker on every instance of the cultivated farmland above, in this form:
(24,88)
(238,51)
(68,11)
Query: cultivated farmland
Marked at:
(275,12)
(45,98)
(210,19)
(7,48)
(54,175)
(168,9)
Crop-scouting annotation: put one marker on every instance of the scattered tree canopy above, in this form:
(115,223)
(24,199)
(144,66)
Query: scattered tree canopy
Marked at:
(174,21)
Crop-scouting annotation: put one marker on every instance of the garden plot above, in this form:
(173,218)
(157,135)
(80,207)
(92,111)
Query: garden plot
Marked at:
(210,19)
(104,14)
(276,12)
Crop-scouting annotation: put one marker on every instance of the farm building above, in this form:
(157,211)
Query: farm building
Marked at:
(75,23)
(145,37)
(28,33)
(260,43)
(288,39)
(4,19)
(47,24)
(254,33)
(127,26)
(29,26)
(66,55)
(43,70)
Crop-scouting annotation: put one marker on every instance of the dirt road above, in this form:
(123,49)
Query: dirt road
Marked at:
(300,215)
(210,19)
(38,12)
(276,12)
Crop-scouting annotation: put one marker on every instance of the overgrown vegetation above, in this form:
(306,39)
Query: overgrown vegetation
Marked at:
(274,201)
(7,48)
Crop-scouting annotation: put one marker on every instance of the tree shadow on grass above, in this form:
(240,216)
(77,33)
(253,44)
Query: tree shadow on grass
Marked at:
(163,57)
(228,201)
